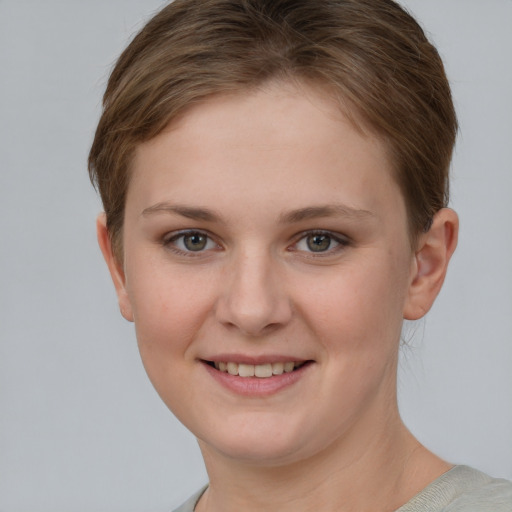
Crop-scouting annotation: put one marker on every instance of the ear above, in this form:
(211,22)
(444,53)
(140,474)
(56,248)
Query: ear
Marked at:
(114,266)
(433,253)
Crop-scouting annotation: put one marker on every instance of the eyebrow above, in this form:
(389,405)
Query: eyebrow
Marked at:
(291,217)
(185,211)
(331,210)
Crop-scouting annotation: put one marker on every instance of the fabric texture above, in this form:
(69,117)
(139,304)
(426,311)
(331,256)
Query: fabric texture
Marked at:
(461,489)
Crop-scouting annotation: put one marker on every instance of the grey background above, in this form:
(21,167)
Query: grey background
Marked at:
(81,429)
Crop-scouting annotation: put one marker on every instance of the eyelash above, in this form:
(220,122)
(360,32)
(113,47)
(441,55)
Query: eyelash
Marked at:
(170,242)
(341,241)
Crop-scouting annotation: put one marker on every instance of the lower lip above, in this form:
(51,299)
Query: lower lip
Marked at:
(256,386)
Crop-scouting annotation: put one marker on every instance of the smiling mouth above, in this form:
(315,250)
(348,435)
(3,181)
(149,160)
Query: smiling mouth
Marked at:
(262,371)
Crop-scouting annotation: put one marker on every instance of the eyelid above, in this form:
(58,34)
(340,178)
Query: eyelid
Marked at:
(169,239)
(342,241)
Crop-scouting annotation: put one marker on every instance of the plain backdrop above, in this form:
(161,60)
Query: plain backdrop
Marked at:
(81,429)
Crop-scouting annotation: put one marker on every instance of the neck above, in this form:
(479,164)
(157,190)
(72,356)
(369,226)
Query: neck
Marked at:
(362,471)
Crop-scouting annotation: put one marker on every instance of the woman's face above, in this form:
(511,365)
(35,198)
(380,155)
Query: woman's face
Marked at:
(264,233)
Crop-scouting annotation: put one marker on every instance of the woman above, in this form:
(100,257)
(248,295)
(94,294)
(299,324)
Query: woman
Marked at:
(275,182)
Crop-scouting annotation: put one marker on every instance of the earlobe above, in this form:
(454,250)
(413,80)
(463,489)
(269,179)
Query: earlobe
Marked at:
(114,266)
(435,248)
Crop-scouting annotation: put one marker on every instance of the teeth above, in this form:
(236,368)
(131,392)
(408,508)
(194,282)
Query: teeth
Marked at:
(262,371)
(288,367)
(232,368)
(277,368)
(246,370)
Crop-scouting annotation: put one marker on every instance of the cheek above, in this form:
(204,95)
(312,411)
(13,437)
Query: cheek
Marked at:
(169,308)
(169,311)
(359,307)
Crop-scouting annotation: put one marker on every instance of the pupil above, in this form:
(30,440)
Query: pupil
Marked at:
(318,243)
(195,242)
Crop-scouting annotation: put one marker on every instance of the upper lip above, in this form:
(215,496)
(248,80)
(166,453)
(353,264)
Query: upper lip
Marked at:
(254,360)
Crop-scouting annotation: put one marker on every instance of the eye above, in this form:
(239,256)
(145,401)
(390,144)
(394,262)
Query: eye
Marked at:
(190,241)
(320,242)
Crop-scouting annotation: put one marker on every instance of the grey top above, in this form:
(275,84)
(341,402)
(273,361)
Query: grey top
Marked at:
(461,489)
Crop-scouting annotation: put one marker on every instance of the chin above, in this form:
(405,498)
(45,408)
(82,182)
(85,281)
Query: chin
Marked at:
(259,445)
(262,454)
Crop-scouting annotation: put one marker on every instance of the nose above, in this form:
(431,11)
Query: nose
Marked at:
(253,297)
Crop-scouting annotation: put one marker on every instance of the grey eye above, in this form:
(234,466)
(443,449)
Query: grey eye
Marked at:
(190,243)
(195,241)
(318,242)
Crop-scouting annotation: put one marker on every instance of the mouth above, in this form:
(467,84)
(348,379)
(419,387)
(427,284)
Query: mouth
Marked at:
(261,371)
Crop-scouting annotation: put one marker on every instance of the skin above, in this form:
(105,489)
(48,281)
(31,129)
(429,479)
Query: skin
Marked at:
(258,173)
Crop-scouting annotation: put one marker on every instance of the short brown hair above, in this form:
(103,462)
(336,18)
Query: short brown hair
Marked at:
(371,53)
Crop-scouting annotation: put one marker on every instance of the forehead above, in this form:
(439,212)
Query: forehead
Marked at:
(279,144)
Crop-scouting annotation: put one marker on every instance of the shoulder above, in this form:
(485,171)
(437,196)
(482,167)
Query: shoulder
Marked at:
(191,503)
(463,489)
(480,492)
